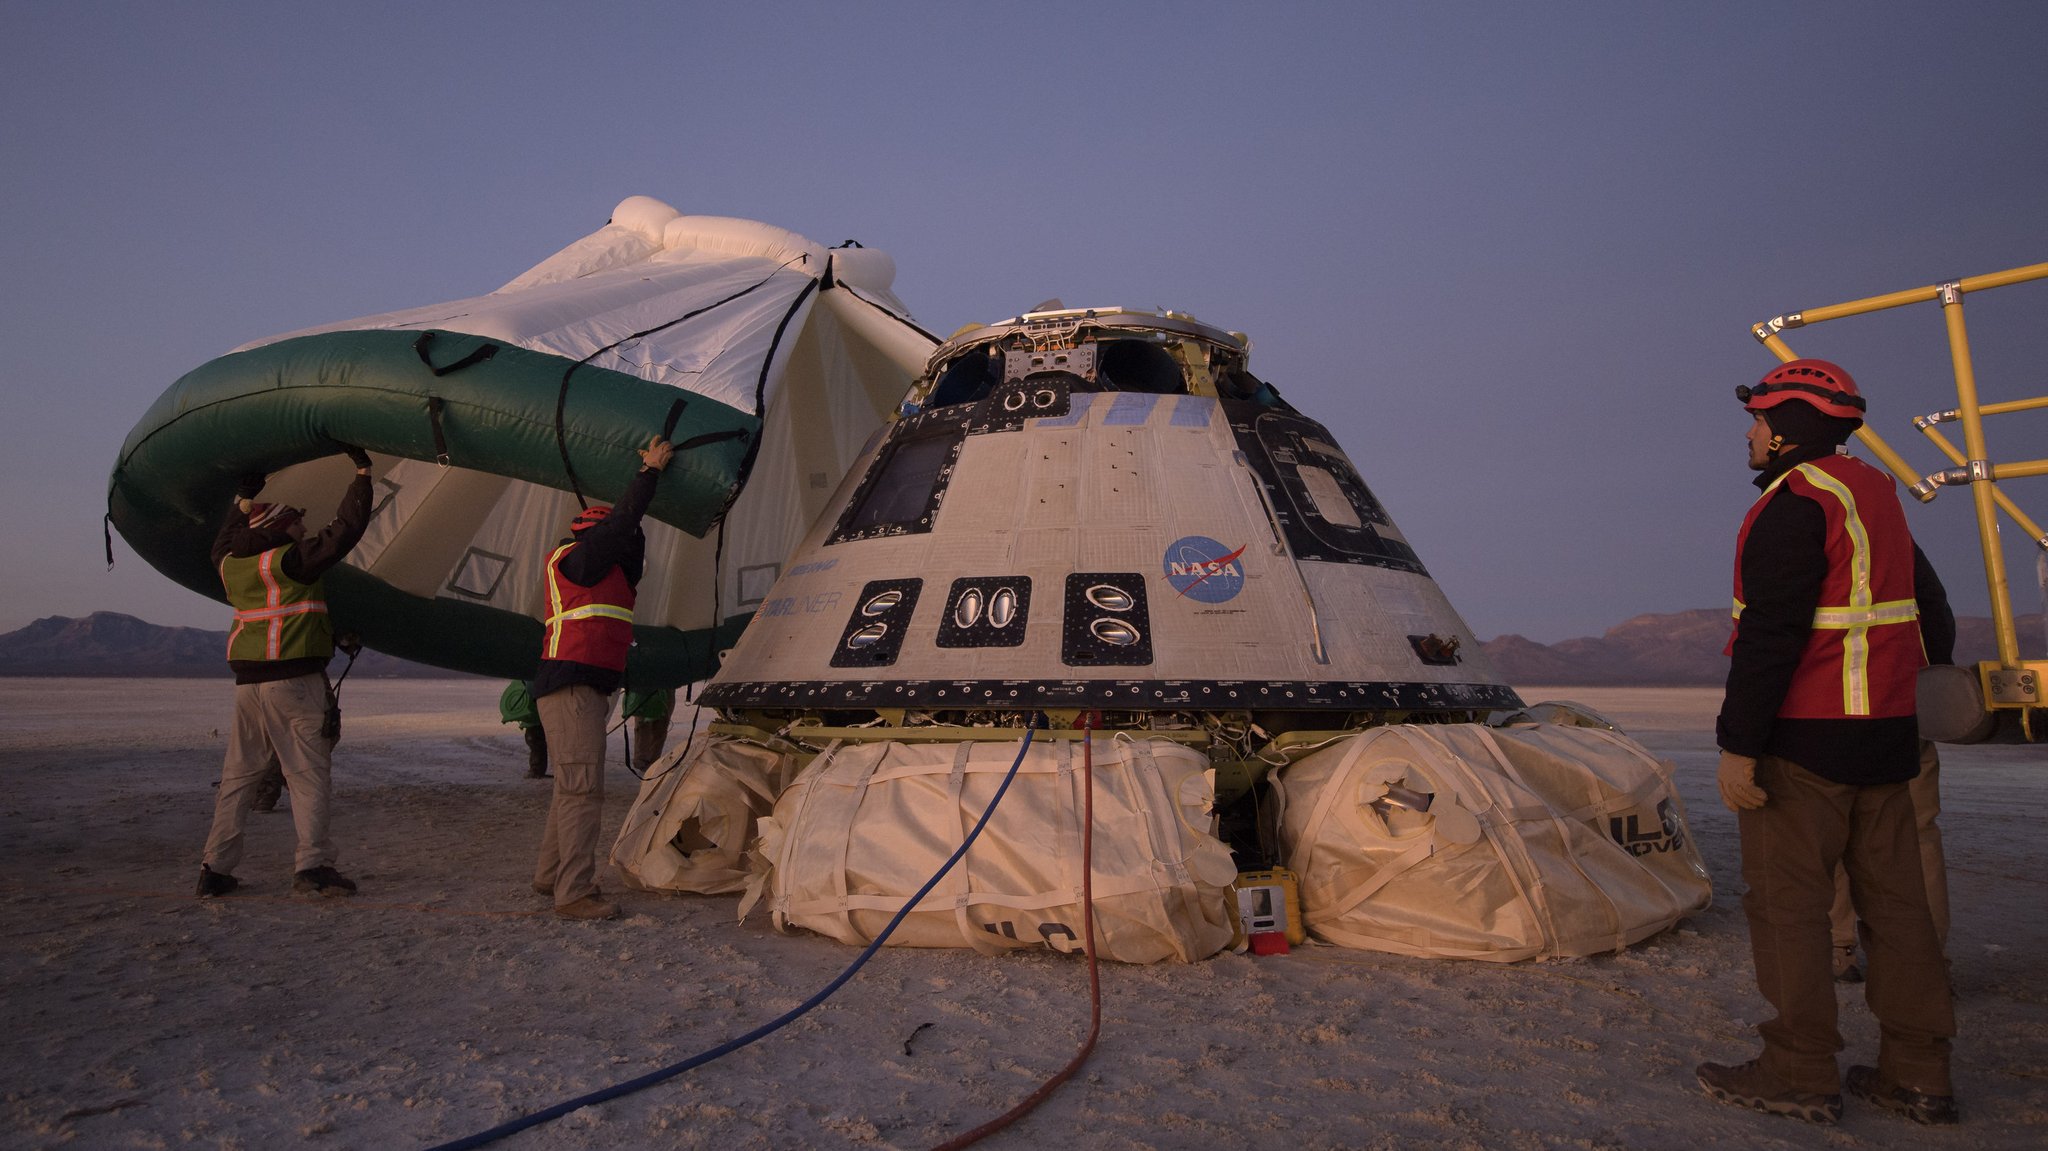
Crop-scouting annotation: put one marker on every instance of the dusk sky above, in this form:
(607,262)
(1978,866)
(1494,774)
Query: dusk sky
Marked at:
(1508,252)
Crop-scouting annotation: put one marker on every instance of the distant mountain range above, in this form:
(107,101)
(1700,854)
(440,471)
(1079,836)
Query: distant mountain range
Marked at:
(109,643)
(1684,648)
(1675,649)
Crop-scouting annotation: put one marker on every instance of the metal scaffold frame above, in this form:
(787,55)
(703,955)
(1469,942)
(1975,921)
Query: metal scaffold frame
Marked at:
(2008,682)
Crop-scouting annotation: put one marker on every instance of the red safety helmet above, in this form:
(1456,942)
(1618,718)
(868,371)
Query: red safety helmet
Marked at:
(589,517)
(1817,382)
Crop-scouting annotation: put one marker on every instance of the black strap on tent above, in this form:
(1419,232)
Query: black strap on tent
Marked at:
(562,441)
(434,408)
(830,279)
(761,392)
(699,441)
(562,394)
(477,356)
(675,415)
(904,321)
(107,529)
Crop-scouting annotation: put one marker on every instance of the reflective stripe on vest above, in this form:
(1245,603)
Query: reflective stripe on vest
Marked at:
(590,611)
(580,625)
(293,615)
(1850,631)
(1856,635)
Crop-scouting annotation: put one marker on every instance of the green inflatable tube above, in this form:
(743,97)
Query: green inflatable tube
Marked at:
(487,406)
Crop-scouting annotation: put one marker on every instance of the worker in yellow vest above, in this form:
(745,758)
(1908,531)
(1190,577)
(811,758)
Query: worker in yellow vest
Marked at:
(589,587)
(278,650)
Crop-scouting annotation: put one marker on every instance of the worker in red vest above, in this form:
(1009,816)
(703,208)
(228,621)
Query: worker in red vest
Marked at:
(590,588)
(1818,743)
(272,573)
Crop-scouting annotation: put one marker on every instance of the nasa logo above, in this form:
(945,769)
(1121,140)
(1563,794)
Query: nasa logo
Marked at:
(1203,570)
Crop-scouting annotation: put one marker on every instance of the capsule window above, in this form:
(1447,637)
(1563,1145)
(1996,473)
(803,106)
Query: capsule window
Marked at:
(986,611)
(1115,632)
(967,612)
(875,628)
(904,484)
(1337,519)
(1109,597)
(1106,621)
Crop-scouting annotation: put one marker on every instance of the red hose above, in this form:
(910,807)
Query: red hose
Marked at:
(1088,942)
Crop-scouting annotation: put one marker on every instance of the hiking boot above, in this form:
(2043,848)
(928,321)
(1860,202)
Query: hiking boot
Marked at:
(1846,970)
(212,883)
(588,907)
(540,888)
(324,881)
(1749,1085)
(1932,1110)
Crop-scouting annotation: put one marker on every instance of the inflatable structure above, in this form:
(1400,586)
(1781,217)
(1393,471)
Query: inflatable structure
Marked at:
(767,358)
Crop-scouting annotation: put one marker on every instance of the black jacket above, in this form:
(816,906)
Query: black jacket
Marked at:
(1784,564)
(618,542)
(305,563)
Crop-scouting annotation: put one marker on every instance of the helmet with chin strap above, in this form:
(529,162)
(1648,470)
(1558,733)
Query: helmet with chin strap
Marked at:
(1819,383)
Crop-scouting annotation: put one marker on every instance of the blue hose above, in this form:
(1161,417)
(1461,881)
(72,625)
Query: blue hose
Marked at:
(605,1094)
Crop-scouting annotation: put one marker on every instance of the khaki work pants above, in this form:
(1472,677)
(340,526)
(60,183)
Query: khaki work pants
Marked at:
(574,721)
(1790,848)
(1925,789)
(281,717)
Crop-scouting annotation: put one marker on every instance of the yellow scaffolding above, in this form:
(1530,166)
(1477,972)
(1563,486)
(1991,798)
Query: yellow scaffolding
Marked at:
(2007,682)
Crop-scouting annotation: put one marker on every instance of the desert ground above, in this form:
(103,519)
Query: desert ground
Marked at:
(445,999)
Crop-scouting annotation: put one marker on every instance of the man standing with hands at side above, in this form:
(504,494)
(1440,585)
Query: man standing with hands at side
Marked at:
(1819,740)
(590,586)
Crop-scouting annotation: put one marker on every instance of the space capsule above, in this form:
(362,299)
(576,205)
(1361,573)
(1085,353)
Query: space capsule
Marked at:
(1105,509)
(1101,522)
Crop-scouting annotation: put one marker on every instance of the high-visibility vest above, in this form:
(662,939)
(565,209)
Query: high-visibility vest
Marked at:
(592,625)
(1864,652)
(276,616)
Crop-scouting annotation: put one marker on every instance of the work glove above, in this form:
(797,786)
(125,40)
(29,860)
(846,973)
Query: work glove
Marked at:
(657,454)
(356,455)
(1737,777)
(249,486)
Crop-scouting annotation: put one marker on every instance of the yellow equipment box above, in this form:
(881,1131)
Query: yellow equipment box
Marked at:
(1268,900)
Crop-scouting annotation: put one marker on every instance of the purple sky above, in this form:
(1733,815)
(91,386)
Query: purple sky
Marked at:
(1508,253)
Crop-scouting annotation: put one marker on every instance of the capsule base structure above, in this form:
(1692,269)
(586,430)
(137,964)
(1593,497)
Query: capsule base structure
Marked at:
(1084,518)
(768,359)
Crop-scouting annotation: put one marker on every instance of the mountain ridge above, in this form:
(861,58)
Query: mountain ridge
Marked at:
(111,644)
(1681,649)
(1671,649)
